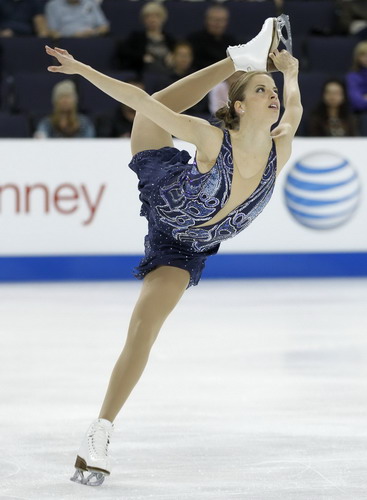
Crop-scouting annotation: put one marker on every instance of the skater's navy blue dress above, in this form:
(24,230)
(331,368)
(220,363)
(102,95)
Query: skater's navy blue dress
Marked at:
(176,198)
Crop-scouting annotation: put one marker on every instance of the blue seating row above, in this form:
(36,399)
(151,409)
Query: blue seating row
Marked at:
(30,94)
(316,53)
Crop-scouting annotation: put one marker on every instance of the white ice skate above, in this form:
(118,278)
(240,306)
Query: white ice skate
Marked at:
(93,454)
(254,55)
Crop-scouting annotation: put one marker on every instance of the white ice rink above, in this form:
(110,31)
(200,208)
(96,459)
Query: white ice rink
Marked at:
(255,390)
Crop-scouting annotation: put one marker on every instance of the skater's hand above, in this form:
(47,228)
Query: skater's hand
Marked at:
(284,61)
(68,64)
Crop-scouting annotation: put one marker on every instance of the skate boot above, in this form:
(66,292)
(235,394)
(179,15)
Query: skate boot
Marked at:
(92,456)
(254,55)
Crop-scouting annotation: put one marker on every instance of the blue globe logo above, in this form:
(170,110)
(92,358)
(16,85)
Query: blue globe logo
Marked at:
(322,190)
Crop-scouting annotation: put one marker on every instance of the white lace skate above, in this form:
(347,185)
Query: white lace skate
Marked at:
(93,454)
(254,55)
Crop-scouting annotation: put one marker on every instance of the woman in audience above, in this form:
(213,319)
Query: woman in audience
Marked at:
(148,50)
(65,121)
(357,78)
(332,116)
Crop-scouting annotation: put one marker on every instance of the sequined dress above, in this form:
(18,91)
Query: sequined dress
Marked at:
(176,198)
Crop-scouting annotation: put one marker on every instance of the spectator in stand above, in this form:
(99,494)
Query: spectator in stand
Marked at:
(211,43)
(121,123)
(181,66)
(148,50)
(357,79)
(181,61)
(332,116)
(75,18)
(22,17)
(352,17)
(65,121)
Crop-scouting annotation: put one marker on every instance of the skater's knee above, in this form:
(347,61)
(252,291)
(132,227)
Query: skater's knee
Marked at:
(142,334)
(158,95)
(161,96)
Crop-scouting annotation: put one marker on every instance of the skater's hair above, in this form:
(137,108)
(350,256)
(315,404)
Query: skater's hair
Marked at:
(227,114)
(359,50)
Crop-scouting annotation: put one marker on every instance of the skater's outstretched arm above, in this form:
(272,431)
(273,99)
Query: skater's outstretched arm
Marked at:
(187,128)
(284,133)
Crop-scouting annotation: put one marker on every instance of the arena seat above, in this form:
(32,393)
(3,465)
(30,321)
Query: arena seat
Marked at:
(123,16)
(307,16)
(14,126)
(22,54)
(332,54)
(184,19)
(97,52)
(246,18)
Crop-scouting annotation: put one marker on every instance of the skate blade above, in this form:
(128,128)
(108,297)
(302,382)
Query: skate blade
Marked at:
(283,22)
(270,66)
(94,478)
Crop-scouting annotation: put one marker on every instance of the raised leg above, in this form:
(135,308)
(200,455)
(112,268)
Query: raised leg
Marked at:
(161,291)
(179,96)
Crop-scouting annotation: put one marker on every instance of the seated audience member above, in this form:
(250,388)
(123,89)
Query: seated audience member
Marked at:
(149,49)
(352,17)
(181,66)
(211,43)
(65,121)
(332,117)
(181,61)
(357,79)
(121,122)
(75,18)
(22,17)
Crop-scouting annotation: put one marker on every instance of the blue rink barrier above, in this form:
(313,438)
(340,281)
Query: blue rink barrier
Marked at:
(223,266)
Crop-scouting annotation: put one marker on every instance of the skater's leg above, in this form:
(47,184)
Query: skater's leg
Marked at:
(179,96)
(188,91)
(161,291)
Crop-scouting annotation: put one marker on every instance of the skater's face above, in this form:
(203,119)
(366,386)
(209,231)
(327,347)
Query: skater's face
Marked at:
(261,99)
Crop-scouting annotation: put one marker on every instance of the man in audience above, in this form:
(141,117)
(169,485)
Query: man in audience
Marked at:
(211,43)
(21,17)
(75,18)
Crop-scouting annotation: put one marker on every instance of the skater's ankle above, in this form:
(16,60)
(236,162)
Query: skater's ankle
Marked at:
(105,418)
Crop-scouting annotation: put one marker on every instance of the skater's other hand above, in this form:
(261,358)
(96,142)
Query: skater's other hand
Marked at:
(284,61)
(68,64)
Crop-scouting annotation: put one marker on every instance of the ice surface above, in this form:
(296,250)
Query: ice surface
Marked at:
(255,390)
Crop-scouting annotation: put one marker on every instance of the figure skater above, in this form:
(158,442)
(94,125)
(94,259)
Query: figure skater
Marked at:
(191,207)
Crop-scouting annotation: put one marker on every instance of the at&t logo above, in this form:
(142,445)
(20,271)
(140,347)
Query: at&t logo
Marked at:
(322,190)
